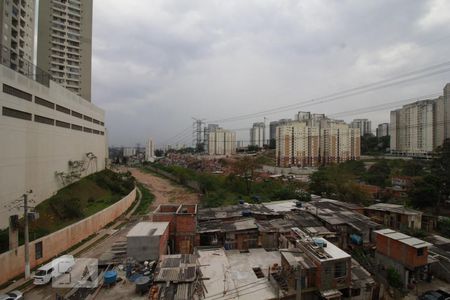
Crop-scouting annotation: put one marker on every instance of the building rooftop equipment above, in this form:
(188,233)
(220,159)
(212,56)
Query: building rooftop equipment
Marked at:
(403,238)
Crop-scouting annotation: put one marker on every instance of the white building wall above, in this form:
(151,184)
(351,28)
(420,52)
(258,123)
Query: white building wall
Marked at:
(149,150)
(31,153)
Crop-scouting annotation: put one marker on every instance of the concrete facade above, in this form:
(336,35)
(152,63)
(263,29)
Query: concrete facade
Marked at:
(383,130)
(219,141)
(13,262)
(150,150)
(148,240)
(65,43)
(314,139)
(17,34)
(50,137)
(418,128)
(258,134)
(364,125)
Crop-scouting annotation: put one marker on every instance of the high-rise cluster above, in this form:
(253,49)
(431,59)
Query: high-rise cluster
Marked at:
(313,139)
(219,141)
(418,128)
(364,125)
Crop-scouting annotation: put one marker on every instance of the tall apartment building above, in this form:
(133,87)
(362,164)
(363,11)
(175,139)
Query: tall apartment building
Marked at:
(258,134)
(418,128)
(364,125)
(219,141)
(273,129)
(313,139)
(383,130)
(65,43)
(17,34)
(297,145)
(150,150)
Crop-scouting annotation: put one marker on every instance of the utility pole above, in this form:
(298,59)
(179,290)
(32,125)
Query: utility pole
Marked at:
(27,237)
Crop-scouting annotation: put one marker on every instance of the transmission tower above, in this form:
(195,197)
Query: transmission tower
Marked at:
(197,129)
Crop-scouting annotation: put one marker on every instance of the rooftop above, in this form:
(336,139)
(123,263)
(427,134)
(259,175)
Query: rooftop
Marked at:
(397,208)
(232,276)
(282,206)
(403,238)
(227,226)
(234,211)
(148,229)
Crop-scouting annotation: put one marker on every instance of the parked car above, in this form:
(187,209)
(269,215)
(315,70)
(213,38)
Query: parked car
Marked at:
(434,295)
(14,295)
(53,269)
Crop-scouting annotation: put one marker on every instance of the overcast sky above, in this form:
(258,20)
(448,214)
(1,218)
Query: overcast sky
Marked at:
(157,64)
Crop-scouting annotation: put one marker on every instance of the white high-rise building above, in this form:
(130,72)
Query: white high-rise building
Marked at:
(64,47)
(364,125)
(219,141)
(150,151)
(383,130)
(258,134)
(418,128)
(17,35)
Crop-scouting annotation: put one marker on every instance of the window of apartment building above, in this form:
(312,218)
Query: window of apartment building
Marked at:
(87,118)
(7,89)
(38,250)
(77,127)
(86,129)
(340,269)
(420,251)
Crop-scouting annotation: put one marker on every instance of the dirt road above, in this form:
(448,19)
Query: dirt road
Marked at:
(165,191)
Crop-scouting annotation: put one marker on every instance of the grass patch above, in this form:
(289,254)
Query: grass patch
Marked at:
(75,202)
(146,199)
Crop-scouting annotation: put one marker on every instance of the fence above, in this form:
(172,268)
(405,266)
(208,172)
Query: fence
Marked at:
(11,60)
(49,246)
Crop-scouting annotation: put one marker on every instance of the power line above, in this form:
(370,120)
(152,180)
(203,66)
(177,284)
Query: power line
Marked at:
(345,93)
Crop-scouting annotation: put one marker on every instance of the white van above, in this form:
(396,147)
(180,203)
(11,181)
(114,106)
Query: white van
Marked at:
(53,269)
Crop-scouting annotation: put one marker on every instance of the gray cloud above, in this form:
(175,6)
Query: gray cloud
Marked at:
(156,64)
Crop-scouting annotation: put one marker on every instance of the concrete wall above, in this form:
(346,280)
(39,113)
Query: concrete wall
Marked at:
(13,264)
(32,152)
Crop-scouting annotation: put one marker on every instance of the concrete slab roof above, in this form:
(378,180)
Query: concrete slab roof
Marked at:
(148,229)
(396,208)
(231,273)
(282,206)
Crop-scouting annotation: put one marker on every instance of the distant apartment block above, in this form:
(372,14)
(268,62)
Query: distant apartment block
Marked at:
(418,128)
(65,43)
(383,130)
(219,141)
(273,130)
(17,34)
(149,150)
(364,125)
(258,134)
(314,139)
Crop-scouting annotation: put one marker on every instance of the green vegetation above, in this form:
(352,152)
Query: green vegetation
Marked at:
(372,145)
(394,278)
(74,202)
(241,184)
(146,199)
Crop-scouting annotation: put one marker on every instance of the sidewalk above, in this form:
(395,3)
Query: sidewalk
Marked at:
(80,249)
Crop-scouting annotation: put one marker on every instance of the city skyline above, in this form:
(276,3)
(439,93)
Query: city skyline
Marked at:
(191,56)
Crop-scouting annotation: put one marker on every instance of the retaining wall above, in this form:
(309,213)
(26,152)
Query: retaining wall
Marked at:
(13,262)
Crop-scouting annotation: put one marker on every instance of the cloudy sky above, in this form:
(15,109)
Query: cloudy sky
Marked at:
(158,63)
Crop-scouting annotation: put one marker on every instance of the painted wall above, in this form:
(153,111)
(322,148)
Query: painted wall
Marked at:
(13,262)
(32,152)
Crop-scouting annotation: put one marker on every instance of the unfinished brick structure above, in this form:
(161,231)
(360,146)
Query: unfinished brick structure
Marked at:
(182,225)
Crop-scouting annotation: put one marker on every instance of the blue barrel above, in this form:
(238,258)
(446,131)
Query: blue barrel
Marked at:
(110,277)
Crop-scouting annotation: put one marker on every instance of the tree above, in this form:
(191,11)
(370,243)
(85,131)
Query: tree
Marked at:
(246,167)
(159,152)
(440,167)
(378,174)
(424,192)
(412,168)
